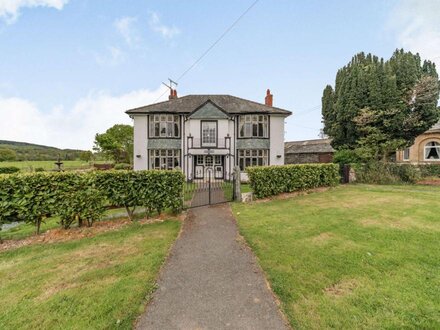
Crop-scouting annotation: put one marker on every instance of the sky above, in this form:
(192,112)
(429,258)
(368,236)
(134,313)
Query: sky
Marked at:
(70,68)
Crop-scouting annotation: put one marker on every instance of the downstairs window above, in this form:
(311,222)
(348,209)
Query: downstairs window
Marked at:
(258,157)
(164,159)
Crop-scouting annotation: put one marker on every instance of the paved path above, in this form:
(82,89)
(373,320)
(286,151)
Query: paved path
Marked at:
(211,280)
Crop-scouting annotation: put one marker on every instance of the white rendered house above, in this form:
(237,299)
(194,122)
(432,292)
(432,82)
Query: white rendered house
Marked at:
(208,135)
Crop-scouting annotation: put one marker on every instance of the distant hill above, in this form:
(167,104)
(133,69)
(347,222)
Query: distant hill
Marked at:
(29,151)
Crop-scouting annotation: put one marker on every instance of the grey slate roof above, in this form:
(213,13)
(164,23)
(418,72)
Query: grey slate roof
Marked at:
(187,104)
(308,146)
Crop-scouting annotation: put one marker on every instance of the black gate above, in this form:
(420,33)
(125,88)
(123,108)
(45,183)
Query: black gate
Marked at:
(208,190)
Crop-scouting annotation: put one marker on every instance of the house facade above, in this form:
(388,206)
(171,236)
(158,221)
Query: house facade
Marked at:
(308,151)
(425,150)
(207,135)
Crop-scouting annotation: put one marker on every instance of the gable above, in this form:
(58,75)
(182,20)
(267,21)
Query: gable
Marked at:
(208,110)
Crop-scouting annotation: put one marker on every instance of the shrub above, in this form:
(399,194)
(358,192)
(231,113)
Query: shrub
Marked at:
(39,169)
(78,199)
(123,166)
(272,180)
(386,173)
(9,170)
(430,170)
(154,190)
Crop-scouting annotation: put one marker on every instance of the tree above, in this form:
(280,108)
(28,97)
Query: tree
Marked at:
(379,106)
(86,156)
(116,143)
(7,154)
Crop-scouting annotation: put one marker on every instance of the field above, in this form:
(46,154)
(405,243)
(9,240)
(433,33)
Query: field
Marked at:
(48,164)
(355,256)
(91,283)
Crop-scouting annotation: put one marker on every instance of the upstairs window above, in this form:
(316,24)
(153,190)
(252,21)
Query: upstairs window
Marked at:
(432,151)
(250,126)
(164,126)
(209,133)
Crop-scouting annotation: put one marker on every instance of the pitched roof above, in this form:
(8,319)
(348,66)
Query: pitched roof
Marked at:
(435,128)
(187,104)
(308,146)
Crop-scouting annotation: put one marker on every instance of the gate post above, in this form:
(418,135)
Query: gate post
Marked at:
(236,181)
(209,186)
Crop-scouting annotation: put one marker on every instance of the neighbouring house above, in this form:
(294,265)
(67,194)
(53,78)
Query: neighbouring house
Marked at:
(208,134)
(309,151)
(425,150)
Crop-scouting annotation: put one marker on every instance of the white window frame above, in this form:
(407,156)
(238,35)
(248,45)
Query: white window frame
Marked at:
(406,154)
(252,157)
(426,147)
(167,159)
(209,133)
(168,126)
(253,126)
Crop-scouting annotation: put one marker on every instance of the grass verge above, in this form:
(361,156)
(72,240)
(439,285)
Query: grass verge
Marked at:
(93,283)
(360,256)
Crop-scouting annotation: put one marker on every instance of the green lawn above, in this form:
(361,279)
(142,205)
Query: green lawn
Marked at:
(93,283)
(48,164)
(354,256)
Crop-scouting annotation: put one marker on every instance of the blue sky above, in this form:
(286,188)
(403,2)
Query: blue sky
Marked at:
(69,68)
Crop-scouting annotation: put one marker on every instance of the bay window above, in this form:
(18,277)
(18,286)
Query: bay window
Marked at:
(253,126)
(164,126)
(164,159)
(255,157)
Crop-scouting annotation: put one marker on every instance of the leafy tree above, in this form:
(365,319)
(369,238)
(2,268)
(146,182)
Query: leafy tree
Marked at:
(379,106)
(86,156)
(7,154)
(116,143)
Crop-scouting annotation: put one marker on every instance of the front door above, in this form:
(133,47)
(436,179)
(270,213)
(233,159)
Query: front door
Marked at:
(209,165)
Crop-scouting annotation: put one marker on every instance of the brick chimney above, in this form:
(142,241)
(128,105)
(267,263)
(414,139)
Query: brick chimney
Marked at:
(173,94)
(268,100)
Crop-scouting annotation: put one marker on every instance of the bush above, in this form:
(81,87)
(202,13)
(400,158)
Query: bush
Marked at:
(155,190)
(9,170)
(123,166)
(386,173)
(272,180)
(39,169)
(430,170)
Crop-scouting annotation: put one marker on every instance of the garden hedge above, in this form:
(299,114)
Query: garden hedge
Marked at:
(9,170)
(272,180)
(81,196)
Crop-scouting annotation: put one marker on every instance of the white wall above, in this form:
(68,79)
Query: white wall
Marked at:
(140,142)
(276,140)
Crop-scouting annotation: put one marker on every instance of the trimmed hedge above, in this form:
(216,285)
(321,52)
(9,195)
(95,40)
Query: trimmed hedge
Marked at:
(272,180)
(79,196)
(9,170)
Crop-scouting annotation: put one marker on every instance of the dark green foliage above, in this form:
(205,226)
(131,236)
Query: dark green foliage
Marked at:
(386,173)
(378,106)
(123,166)
(29,151)
(273,180)
(78,199)
(76,196)
(9,170)
(430,170)
(345,157)
(86,156)
(39,169)
(116,143)
(7,154)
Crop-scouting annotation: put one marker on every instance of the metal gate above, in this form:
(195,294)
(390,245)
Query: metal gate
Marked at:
(208,190)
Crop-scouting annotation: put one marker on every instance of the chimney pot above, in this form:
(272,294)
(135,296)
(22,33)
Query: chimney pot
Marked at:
(268,100)
(173,94)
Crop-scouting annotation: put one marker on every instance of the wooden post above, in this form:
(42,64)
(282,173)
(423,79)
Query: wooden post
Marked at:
(237,184)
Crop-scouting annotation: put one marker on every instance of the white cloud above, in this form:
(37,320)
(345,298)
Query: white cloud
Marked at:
(165,31)
(114,56)
(126,27)
(10,9)
(417,26)
(22,120)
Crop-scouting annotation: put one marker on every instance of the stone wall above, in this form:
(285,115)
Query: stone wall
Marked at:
(307,158)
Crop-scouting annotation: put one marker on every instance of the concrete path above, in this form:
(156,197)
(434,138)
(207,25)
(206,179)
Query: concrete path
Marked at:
(211,280)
